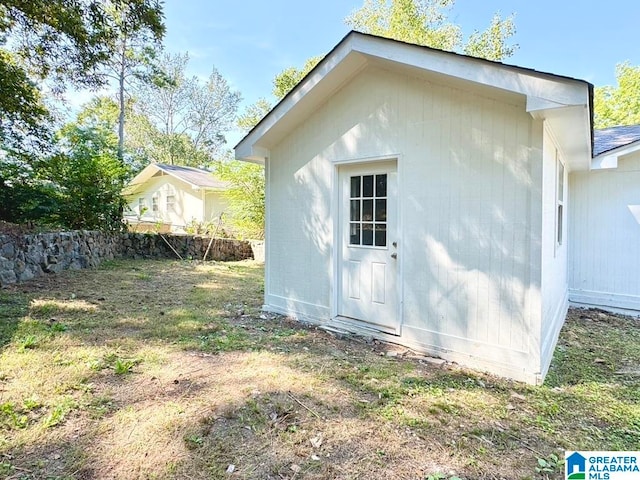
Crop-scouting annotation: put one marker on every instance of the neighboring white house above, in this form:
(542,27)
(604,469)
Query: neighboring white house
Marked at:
(423,197)
(169,197)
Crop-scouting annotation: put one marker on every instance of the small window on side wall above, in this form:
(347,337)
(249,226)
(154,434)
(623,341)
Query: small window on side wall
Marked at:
(559,199)
(154,204)
(171,203)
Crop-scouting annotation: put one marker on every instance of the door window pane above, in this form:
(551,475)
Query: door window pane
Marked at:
(367,186)
(381,210)
(381,235)
(355,187)
(367,210)
(354,237)
(355,210)
(381,185)
(367,234)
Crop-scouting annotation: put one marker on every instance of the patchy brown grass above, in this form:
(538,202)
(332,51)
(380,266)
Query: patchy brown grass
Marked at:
(168,370)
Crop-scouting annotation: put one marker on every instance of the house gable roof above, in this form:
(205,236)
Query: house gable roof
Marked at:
(198,178)
(562,101)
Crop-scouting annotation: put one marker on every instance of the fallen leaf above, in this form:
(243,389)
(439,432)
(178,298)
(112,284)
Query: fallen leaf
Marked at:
(316,442)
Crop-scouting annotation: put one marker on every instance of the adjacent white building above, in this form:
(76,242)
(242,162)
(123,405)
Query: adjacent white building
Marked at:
(425,198)
(170,197)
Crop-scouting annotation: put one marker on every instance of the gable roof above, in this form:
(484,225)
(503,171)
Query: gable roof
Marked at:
(198,178)
(566,103)
(612,138)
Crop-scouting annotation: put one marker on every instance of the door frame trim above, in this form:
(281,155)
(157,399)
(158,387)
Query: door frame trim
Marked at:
(336,249)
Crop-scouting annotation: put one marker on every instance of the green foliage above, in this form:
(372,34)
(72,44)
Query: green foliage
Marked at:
(64,41)
(89,179)
(492,43)
(253,114)
(122,367)
(22,112)
(185,117)
(619,105)
(69,40)
(550,465)
(245,196)
(289,78)
(421,22)
(425,22)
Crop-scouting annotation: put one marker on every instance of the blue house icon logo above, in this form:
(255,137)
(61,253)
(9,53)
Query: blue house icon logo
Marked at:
(576,467)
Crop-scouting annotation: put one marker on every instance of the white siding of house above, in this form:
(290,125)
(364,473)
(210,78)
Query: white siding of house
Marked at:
(188,204)
(470,172)
(605,236)
(215,205)
(554,255)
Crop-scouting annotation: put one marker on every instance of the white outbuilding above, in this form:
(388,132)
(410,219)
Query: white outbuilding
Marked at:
(425,198)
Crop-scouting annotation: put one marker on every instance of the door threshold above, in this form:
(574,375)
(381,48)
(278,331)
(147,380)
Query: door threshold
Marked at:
(354,325)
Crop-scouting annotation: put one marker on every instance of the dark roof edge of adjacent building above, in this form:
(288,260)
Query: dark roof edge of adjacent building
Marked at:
(612,138)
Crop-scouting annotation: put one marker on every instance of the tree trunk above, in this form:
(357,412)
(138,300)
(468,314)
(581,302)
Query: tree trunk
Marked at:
(121,78)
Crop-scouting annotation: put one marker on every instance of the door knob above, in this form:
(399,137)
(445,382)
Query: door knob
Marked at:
(394,255)
(395,244)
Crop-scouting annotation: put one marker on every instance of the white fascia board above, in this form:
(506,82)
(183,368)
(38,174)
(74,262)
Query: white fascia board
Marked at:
(610,159)
(514,79)
(543,91)
(247,149)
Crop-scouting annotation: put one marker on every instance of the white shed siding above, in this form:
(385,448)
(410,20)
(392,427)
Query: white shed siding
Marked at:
(605,236)
(554,254)
(470,170)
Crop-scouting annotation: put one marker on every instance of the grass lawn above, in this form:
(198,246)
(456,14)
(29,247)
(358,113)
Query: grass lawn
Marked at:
(169,370)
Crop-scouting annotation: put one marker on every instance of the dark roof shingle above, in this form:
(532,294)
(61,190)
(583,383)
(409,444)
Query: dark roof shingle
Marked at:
(614,137)
(194,176)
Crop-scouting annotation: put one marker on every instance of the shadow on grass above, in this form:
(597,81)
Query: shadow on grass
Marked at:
(13,307)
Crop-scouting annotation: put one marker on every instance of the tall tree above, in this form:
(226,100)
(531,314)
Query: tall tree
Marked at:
(253,114)
(619,105)
(422,22)
(135,47)
(187,117)
(284,82)
(425,22)
(64,41)
(245,193)
(88,178)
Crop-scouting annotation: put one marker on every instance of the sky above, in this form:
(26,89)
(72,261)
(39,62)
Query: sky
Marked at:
(249,42)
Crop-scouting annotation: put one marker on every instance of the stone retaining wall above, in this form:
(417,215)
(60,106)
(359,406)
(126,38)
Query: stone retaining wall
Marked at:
(24,257)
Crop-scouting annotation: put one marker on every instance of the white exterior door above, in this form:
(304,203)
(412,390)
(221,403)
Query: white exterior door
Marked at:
(367,263)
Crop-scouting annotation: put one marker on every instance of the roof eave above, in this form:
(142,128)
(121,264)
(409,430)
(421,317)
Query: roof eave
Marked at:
(356,50)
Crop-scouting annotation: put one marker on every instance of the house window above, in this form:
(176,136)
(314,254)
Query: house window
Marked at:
(368,210)
(171,203)
(559,199)
(142,205)
(154,204)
